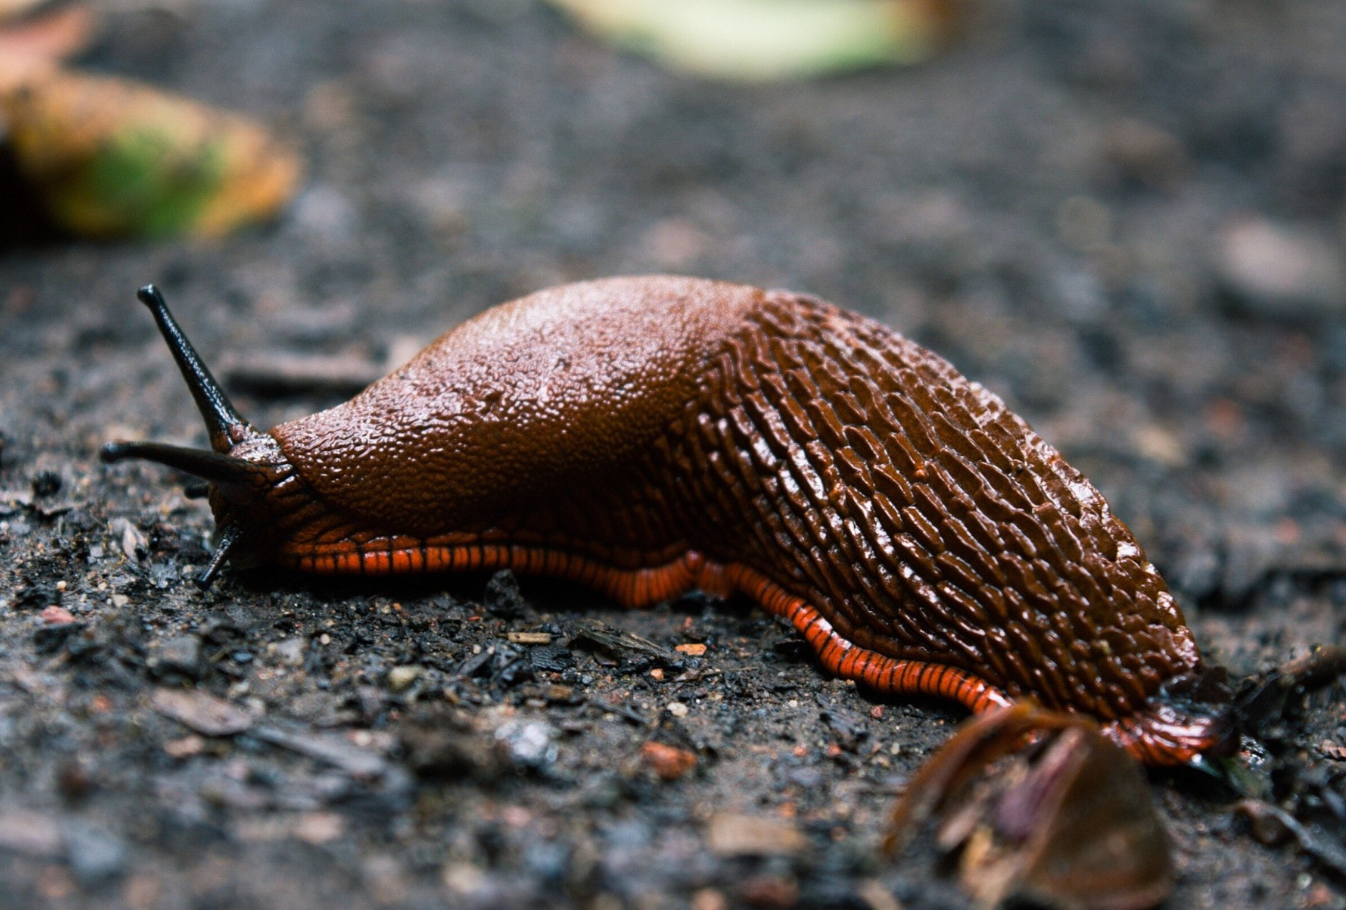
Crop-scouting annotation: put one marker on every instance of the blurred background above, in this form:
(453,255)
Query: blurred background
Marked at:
(1128,219)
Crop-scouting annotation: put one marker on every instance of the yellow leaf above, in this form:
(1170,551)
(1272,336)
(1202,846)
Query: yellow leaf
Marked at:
(759,40)
(113,158)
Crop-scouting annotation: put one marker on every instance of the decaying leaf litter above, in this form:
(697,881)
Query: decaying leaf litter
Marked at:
(106,158)
(261,801)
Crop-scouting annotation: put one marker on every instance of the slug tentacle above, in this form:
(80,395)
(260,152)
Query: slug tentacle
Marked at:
(213,466)
(224,424)
(646,436)
(243,491)
(244,468)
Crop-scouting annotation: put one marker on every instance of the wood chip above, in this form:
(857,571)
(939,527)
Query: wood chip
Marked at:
(618,643)
(288,373)
(562,694)
(731,834)
(669,762)
(201,711)
(693,650)
(529,638)
(133,543)
(324,747)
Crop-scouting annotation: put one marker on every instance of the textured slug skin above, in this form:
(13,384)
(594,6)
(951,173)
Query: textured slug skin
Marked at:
(648,435)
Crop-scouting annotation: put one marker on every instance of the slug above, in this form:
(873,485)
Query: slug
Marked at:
(647,436)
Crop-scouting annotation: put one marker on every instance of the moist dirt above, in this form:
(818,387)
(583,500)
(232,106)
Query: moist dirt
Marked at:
(1126,219)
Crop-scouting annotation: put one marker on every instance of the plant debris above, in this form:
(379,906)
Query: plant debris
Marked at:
(668,762)
(201,711)
(1066,822)
(111,158)
(756,40)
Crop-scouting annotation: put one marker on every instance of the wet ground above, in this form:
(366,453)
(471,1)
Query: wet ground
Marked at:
(1127,219)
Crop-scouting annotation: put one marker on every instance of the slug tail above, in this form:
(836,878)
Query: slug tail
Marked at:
(225,425)
(1189,721)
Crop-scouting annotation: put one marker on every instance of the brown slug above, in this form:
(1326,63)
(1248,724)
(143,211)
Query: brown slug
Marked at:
(646,436)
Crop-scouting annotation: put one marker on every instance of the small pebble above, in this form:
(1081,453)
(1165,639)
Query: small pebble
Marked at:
(74,780)
(29,833)
(290,651)
(462,879)
(1143,153)
(95,856)
(768,892)
(57,616)
(185,747)
(319,827)
(503,597)
(669,762)
(326,214)
(1280,271)
(400,679)
(529,742)
(180,656)
(709,899)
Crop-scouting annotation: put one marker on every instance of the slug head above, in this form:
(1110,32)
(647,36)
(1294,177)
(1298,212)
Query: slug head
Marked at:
(245,468)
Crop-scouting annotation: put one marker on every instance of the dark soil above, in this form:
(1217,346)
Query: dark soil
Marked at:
(1048,206)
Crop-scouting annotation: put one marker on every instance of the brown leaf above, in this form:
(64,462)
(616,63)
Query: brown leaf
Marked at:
(1065,821)
(37,44)
(114,158)
(11,9)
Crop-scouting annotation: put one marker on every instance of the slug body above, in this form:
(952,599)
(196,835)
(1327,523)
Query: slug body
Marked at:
(646,436)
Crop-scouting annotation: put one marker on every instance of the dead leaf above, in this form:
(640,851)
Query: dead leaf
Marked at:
(758,40)
(38,44)
(113,158)
(1065,821)
(10,9)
